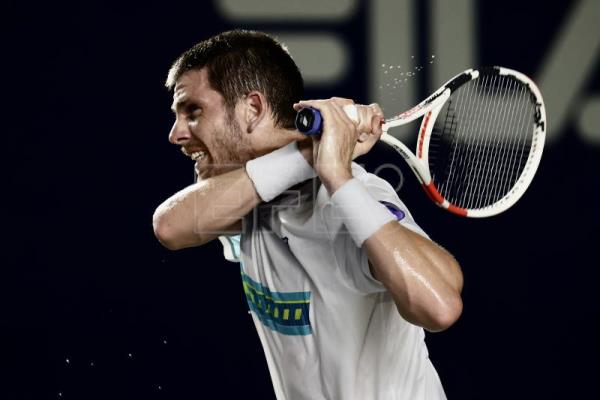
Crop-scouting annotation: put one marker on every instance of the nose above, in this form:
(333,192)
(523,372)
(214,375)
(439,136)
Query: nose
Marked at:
(180,133)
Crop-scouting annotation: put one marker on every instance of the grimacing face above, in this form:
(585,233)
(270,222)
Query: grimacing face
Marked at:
(204,129)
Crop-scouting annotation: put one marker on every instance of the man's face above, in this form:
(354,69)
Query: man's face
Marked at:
(204,129)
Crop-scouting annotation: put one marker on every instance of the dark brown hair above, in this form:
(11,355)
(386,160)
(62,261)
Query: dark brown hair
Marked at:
(241,61)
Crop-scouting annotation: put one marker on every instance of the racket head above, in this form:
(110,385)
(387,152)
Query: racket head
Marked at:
(480,141)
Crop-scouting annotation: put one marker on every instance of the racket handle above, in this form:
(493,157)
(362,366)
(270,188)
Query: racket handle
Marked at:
(310,122)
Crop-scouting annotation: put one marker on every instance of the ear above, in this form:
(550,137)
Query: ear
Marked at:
(255,110)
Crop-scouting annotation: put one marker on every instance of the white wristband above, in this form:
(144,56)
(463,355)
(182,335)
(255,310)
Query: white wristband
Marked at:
(360,212)
(274,173)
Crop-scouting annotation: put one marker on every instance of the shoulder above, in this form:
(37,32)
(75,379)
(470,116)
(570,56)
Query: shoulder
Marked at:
(379,188)
(384,193)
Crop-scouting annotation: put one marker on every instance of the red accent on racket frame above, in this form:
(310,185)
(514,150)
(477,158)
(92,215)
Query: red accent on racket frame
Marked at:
(422,135)
(437,198)
(433,193)
(457,210)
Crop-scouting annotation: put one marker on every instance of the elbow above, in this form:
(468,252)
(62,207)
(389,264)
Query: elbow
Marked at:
(164,232)
(167,242)
(446,315)
(450,308)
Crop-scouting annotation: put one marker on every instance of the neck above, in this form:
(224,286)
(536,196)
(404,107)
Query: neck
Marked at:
(275,139)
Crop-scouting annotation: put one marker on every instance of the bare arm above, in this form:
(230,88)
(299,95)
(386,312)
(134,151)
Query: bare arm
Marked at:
(215,206)
(424,280)
(203,211)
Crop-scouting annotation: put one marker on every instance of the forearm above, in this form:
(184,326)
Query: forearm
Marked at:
(423,278)
(215,206)
(204,210)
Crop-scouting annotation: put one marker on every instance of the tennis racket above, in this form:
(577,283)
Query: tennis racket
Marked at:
(479,144)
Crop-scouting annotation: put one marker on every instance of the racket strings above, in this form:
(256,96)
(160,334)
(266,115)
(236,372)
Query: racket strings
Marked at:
(514,155)
(481,141)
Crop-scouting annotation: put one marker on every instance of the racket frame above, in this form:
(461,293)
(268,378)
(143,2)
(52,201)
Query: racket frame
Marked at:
(429,110)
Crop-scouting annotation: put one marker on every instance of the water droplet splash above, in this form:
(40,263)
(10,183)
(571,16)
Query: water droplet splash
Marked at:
(397,77)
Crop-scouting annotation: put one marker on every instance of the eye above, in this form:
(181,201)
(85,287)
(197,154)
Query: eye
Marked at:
(193,113)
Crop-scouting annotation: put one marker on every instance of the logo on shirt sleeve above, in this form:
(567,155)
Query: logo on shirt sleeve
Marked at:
(394,209)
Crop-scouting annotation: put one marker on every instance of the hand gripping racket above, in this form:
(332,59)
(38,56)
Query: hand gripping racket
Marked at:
(480,141)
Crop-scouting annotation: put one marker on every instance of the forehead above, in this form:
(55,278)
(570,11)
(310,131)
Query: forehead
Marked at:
(194,85)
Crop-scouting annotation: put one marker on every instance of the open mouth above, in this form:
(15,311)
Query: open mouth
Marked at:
(198,155)
(194,155)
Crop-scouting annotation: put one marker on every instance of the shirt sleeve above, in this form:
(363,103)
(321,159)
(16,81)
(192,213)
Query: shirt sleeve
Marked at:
(231,247)
(352,261)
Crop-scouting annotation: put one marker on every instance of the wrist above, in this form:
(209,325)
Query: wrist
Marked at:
(333,179)
(274,173)
(361,213)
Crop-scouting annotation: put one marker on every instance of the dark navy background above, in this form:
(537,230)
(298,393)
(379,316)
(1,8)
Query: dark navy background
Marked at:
(92,307)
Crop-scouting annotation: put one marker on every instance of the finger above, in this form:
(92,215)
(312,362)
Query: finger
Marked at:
(340,109)
(344,118)
(379,118)
(376,125)
(369,120)
(362,114)
(342,101)
(364,119)
(376,109)
(304,103)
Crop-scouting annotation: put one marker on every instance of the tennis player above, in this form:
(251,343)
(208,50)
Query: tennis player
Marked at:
(340,280)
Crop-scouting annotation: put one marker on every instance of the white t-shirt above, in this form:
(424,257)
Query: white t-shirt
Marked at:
(328,328)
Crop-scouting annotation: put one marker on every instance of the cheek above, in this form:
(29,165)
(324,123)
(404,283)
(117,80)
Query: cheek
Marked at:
(203,133)
(196,132)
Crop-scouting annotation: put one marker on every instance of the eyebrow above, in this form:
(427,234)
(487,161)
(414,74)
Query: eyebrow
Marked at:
(185,103)
(178,104)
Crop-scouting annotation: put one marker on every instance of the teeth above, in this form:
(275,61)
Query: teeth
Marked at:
(198,155)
